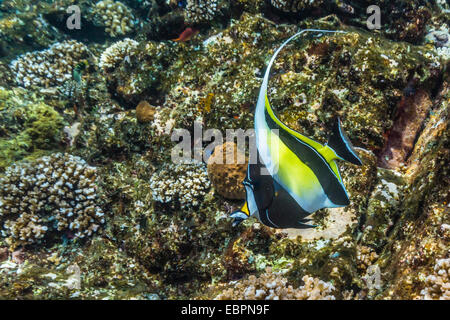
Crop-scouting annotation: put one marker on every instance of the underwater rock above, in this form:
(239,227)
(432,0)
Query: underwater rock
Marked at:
(364,88)
(440,38)
(227,177)
(412,111)
(382,208)
(24,27)
(49,195)
(417,236)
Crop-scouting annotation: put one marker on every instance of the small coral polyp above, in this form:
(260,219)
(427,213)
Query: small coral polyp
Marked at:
(54,193)
(116,17)
(50,67)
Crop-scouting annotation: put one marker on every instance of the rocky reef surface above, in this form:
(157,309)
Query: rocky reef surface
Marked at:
(92,206)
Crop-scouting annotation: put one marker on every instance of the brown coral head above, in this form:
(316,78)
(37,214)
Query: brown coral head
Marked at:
(145,112)
(227,168)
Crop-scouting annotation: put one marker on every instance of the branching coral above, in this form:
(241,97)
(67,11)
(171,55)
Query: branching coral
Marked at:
(51,194)
(198,11)
(50,67)
(437,284)
(185,182)
(115,16)
(116,53)
(273,286)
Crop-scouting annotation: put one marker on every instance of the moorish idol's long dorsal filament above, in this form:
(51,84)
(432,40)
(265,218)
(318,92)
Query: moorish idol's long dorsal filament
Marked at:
(295,175)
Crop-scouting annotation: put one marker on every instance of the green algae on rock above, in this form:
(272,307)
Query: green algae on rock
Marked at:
(29,126)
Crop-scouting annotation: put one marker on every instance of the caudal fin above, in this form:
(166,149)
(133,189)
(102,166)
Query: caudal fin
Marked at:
(339,142)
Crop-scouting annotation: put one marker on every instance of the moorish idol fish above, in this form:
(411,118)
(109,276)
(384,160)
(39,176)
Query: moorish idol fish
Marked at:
(294,175)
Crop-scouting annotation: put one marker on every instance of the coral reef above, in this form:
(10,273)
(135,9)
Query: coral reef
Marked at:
(54,193)
(116,17)
(273,286)
(186,183)
(116,101)
(50,67)
(227,168)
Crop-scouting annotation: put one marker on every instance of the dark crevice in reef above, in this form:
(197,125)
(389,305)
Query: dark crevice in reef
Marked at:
(436,102)
(87,33)
(412,111)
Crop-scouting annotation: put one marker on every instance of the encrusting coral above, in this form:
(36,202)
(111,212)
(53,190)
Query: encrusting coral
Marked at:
(49,67)
(273,286)
(186,182)
(115,16)
(227,177)
(50,194)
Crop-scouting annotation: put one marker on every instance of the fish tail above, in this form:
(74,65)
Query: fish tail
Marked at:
(341,145)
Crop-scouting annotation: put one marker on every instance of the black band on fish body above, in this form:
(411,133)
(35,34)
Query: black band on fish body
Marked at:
(331,185)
